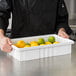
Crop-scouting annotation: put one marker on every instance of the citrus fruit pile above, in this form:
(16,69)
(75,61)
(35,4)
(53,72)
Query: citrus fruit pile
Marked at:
(39,42)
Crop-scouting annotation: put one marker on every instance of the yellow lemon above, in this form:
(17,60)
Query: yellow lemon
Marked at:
(34,44)
(56,42)
(42,44)
(27,46)
(48,43)
(20,44)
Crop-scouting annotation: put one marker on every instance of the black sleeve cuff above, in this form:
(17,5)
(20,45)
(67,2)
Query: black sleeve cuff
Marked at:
(67,29)
(3,24)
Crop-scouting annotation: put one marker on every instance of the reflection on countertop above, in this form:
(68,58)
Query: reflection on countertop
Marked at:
(54,66)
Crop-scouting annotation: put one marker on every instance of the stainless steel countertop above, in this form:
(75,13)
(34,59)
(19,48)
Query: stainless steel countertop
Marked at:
(53,66)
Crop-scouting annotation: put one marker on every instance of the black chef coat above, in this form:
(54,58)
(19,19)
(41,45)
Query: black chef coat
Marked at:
(34,17)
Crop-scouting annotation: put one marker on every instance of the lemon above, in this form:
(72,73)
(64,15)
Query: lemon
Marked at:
(41,41)
(48,43)
(34,44)
(27,46)
(20,44)
(42,44)
(56,42)
(51,39)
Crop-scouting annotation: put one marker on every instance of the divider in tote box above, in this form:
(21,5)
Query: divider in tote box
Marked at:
(45,51)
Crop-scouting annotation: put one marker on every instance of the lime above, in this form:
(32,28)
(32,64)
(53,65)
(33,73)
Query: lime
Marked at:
(27,43)
(41,41)
(51,39)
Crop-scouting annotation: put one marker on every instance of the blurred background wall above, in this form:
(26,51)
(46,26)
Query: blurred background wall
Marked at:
(71,6)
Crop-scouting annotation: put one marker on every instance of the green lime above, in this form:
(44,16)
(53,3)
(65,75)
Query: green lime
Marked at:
(27,43)
(41,41)
(51,39)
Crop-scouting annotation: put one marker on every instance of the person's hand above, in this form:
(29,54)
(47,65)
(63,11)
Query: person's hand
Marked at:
(62,33)
(5,44)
